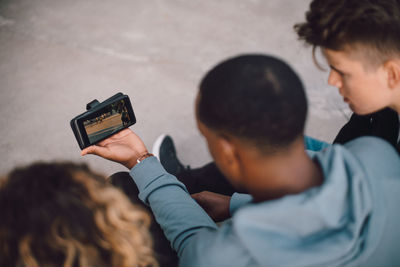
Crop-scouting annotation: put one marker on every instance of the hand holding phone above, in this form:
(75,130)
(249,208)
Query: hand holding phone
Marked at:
(124,147)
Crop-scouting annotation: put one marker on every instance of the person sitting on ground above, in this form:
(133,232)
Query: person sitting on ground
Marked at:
(337,207)
(360,39)
(62,214)
(361,42)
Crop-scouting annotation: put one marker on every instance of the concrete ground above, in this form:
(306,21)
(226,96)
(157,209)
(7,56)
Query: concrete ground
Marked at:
(56,56)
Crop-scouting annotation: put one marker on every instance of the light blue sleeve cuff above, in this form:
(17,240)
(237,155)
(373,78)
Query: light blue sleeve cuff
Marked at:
(149,175)
(238,200)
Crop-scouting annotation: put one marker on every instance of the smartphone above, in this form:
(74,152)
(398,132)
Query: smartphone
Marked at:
(101,120)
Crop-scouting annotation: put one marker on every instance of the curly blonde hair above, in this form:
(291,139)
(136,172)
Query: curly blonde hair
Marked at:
(62,214)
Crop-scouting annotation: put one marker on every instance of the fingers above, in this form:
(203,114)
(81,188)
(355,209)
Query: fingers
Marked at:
(200,197)
(125,132)
(195,196)
(115,138)
(87,150)
(105,142)
(122,133)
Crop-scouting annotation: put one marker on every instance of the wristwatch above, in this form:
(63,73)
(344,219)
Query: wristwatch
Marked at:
(144,156)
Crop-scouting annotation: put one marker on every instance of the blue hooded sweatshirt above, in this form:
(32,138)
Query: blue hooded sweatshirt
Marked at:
(352,219)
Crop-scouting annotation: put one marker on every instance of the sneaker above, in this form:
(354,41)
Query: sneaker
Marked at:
(164,150)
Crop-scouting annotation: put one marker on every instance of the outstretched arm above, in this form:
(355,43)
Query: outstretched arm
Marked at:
(177,213)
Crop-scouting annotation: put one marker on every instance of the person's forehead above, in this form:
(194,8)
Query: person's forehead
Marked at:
(349,59)
(335,55)
(356,55)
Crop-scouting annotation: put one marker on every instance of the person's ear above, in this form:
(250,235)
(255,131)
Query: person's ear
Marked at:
(393,73)
(229,158)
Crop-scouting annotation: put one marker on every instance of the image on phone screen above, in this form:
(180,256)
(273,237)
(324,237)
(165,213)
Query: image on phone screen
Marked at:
(107,121)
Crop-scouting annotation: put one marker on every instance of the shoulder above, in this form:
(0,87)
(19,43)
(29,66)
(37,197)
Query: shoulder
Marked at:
(369,144)
(365,156)
(376,154)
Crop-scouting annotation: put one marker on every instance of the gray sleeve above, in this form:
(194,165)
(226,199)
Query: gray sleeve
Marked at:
(222,248)
(180,217)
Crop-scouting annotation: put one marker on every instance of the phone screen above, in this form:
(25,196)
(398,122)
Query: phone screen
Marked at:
(108,121)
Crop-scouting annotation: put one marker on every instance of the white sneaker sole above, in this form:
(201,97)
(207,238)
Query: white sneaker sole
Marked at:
(156,146)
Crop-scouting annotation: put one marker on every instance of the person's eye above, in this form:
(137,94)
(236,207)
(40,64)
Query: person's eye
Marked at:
(345,75)
(341,74)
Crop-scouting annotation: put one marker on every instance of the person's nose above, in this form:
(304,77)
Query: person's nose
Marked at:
(334,79)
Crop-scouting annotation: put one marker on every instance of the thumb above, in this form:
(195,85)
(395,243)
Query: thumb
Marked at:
(95,150)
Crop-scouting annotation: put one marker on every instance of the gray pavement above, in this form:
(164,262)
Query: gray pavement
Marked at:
(56,56)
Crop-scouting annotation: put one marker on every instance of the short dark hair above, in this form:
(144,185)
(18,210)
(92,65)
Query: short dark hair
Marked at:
(257,98)
(342,24)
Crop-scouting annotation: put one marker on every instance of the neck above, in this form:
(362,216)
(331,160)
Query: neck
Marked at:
(285,173)
(396,102)
(395,88)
